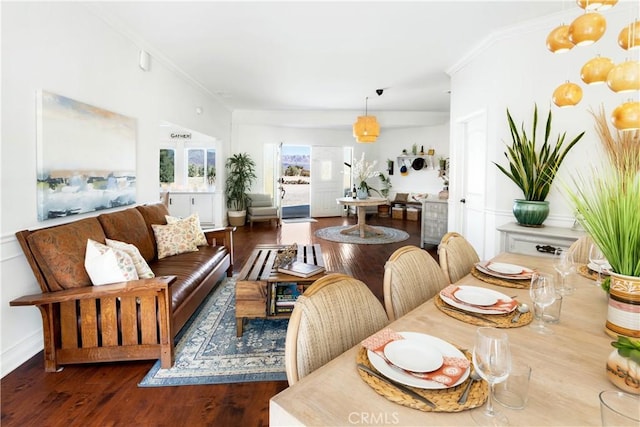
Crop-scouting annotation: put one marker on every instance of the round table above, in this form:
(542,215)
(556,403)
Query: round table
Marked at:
(361,204)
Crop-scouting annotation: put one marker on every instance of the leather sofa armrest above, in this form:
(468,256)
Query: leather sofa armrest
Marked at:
(221,236)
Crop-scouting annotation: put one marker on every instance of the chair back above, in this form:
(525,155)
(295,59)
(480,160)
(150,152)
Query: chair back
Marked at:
(411,277)
(457,256)
(335,313)
(580,250)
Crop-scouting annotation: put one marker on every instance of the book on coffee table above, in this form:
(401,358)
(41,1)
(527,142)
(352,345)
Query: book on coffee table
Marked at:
(301,269)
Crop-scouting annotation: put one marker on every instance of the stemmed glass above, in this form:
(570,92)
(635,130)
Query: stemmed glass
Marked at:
(492,360)
(597,257)
(564,265)
(543,294)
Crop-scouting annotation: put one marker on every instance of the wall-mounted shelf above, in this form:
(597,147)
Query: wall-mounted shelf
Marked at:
(408,161)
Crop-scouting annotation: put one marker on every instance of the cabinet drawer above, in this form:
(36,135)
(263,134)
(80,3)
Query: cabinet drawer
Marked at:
(531,245)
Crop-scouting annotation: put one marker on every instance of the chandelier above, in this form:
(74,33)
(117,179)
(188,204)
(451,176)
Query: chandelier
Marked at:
(366,129)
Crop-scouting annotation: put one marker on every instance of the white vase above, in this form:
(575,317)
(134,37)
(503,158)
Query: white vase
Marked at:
(362,193)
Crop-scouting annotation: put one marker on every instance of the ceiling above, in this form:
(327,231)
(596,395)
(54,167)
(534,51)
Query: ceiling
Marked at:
(301,55)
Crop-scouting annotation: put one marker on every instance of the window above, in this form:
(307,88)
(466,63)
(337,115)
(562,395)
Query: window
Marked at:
(167,166)
(200,160)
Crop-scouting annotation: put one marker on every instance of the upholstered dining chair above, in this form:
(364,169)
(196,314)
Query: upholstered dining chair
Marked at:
(580,249)
(332,315)
(456,255)
(411,277)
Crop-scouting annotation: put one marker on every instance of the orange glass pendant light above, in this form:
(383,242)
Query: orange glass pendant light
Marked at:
(629,37)
(596,4)
(624,77)
(366,129)
(626,116)
(558,39)
(567,95)
(587,29)
(596,70)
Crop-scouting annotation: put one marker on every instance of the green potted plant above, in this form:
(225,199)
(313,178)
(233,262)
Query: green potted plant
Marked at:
(533,168)
(623,364)
(608,207)
(241,172)
(383,210)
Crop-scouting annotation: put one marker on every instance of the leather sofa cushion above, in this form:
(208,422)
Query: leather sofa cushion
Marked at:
(271,211)
(60,252)
(130,227)
(154,213)
(190,270)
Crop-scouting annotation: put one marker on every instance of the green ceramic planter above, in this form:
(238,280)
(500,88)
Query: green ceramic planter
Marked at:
(529,213)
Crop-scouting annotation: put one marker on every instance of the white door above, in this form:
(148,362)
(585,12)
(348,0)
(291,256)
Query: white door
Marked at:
(327,175)
(474,129)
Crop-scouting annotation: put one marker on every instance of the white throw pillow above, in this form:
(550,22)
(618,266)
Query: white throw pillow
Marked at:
(192,226)
(108,265)
(144,272)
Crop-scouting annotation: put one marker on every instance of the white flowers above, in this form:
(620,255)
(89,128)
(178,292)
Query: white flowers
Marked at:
(363,170)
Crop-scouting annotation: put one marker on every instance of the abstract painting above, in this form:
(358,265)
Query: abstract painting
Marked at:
(86,158)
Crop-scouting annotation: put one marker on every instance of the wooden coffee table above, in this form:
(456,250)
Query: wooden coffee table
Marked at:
(258,276)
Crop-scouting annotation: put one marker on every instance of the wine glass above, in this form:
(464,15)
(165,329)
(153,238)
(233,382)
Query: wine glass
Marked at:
(492,361)
(543,294)
(597,257)
(564,265)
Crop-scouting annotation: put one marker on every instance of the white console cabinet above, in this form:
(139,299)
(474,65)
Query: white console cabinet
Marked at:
(184,204)
(542,241)
(434,221)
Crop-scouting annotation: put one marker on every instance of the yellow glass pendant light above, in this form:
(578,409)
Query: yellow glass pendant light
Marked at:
(626,116)
(596,70)
(596,4)
(567,95)
(587,29)
(366,129)
(629,37)
(624,77)
(558,39)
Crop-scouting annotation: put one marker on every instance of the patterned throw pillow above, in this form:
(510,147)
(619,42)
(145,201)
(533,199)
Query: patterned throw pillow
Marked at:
(195,231)
(174,239)
(108,265)
(144,272)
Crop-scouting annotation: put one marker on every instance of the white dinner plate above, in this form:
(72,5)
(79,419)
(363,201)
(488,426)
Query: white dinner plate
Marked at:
(594,267)
(526,272)
(481,310)
(475,296)
(413,356)
(504,268)
(406,378)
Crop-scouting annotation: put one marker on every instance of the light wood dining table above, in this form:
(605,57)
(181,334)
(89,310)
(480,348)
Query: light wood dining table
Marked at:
(568,367)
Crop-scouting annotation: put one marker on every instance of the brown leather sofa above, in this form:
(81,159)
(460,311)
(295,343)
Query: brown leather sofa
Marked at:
(133,320)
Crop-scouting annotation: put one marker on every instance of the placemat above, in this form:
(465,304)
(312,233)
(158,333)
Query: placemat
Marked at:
(478,319)
(446,400)
(519,284)
(585,271)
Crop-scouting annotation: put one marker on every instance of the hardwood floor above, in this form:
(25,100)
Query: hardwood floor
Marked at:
(108,395)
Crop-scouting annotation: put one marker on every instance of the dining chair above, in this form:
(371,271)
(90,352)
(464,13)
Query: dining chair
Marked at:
(580,249)
(411,277)
(456,255)
(332,315)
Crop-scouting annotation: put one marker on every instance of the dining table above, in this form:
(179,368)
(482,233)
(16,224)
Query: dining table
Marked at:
(568,367)
(361,205)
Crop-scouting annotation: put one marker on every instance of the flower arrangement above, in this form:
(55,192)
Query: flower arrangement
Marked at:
(362,170)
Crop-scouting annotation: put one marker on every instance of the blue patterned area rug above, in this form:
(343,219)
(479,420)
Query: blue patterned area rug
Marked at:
(391,235)
(208,351)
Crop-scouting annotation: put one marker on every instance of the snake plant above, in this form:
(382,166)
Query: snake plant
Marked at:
(534,168)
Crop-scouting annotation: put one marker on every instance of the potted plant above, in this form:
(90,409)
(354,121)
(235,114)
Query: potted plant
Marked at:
(608,207)
(623,364)
(383,210)
(533,168)
(363,170)
(241,172)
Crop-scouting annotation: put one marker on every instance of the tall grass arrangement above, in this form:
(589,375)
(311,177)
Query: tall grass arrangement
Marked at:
(531,167)
(608,201)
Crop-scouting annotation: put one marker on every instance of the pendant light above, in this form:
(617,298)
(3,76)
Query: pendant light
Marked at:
(587,29)
(629,37)
(626,116)
(624,77)
(558,39)
(567,95)
(366,129)
(596,4)
(596,70)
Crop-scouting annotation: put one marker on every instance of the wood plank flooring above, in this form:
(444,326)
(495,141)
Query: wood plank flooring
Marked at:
(108,395)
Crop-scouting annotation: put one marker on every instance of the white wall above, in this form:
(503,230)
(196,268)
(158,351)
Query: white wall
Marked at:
(515,70)
(64,48)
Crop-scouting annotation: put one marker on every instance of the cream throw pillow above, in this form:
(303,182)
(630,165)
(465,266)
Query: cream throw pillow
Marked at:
(195,231)
(108,265)
(173,239)
(144,272)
